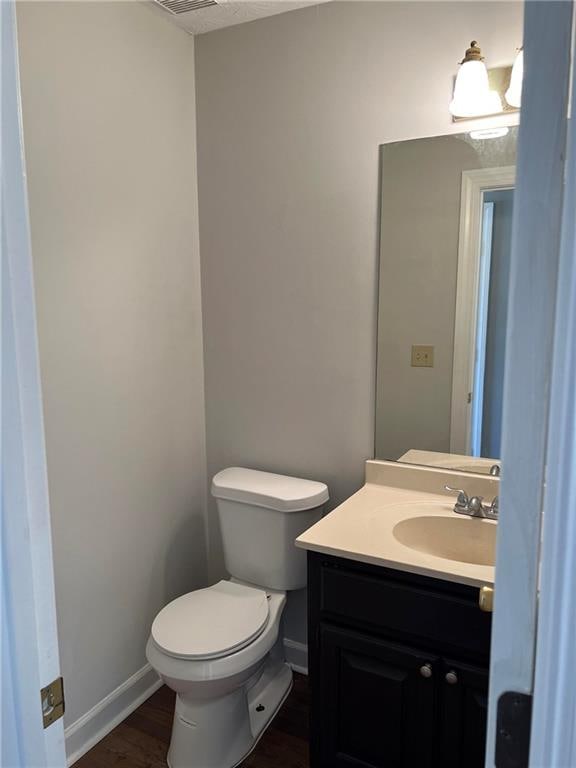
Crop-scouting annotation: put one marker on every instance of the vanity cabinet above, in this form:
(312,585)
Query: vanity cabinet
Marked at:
(398,668)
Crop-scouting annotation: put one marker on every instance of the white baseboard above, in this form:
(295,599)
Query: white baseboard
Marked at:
(89,729)
(296,655)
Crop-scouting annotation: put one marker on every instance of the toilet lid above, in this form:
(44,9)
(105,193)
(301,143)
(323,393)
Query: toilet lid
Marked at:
(212,622)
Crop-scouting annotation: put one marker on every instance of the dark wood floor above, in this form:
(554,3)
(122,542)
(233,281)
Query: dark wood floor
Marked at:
(141,741)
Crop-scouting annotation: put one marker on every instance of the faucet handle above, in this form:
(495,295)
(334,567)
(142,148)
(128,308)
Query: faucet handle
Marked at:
(490,511)
(463,499)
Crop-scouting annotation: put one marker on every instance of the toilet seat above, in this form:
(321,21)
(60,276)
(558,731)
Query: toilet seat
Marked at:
(211,623)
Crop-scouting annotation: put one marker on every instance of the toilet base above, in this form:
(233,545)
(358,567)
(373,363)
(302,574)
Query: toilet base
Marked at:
(221,733)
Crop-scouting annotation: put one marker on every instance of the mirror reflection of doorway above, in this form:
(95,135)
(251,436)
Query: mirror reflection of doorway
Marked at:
(481,308)
(490,347)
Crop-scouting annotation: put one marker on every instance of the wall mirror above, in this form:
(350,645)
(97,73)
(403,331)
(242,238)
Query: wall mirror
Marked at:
(445,235)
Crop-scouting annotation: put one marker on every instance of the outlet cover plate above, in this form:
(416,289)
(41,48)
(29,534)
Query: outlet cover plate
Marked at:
(422,356)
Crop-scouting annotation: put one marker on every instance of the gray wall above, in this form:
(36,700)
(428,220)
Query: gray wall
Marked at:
(108,92)
(421,182)
(291,112)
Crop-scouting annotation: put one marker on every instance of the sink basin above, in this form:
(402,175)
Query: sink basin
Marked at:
(464,539)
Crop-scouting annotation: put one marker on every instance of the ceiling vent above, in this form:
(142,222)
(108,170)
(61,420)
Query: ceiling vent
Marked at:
(184,6)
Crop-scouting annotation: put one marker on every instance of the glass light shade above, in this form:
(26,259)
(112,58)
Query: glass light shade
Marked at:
(472,94)
(514,93)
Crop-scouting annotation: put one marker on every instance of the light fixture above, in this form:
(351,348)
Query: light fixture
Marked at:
(472,94)
(514,93)
(489,133)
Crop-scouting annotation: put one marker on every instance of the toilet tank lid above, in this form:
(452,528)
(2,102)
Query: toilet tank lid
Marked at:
(265,489)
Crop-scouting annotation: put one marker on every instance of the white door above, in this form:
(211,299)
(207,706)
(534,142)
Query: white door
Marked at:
(29,644)
(553,740)
(535,448)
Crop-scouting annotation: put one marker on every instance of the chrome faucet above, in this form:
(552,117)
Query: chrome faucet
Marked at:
(474,506)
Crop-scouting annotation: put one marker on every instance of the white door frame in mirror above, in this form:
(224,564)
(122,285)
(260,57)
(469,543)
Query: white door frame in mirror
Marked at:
(471,265)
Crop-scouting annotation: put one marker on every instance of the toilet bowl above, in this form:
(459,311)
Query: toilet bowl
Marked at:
(225,696)
(220,648)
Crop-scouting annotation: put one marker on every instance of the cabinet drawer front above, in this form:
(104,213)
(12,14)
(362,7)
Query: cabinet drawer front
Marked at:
(404,610)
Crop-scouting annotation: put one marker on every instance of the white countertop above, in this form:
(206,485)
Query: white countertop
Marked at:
(449,461)
(362,529)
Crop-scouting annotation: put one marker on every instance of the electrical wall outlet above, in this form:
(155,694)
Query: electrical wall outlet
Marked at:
(422,356)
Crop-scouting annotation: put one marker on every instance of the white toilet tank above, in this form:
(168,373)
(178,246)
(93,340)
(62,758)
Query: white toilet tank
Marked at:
(261,514)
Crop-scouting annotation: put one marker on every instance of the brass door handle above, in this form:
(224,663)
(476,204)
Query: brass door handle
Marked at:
(486,599)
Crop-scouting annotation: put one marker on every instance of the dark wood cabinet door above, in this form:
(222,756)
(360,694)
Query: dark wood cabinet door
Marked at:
(464,708)
(376,704)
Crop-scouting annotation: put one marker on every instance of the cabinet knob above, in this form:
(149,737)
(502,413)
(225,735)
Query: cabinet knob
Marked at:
(426,670)
(451,677)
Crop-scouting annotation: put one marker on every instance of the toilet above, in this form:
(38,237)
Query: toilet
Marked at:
(220,648)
